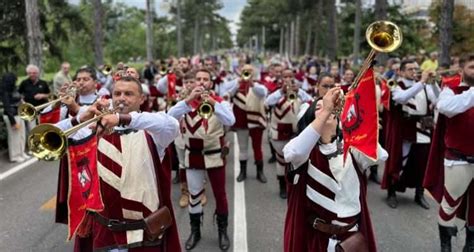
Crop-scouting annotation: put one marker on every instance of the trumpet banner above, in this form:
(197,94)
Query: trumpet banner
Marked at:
(84,186)
(359,117)
(52,116)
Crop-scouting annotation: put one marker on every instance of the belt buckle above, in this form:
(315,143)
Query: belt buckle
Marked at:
(316,221)
(112,223)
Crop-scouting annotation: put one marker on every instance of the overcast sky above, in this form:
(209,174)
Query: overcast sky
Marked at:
(231,10)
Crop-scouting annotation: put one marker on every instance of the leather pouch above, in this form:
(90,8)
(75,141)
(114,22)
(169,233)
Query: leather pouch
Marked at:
(157,223)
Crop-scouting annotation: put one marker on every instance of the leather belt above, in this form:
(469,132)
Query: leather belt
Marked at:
(118,225)
(321,225)
(204,152)
(456,155)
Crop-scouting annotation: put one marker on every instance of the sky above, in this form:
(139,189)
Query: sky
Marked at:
(231,10)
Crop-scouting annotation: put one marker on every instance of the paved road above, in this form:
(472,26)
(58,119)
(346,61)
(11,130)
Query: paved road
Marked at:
(27,216)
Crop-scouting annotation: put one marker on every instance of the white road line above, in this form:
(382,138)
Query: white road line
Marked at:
(240,217)
(18,168)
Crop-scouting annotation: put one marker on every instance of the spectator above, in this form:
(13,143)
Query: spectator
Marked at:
(33,90)
(62,77)
(15,125)
(430,64)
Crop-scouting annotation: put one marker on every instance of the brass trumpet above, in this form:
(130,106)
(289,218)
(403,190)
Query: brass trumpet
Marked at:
(163,70)
(383,37)
(28,112)
(437,75)
(48,142)
(107,69)
(205,110)
(246,75)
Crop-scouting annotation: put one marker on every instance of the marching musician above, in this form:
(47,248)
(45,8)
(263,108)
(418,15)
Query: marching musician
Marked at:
(250,118)
(450,172)
(327,204)
(408,126)
(132,186)
(204,138)
(285,103)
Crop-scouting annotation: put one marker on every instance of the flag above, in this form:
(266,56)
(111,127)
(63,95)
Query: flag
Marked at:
(171,86)
(451,81)
(359,117)
(385,97)
(84,188)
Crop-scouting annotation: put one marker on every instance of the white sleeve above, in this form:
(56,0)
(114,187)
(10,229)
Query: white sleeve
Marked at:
(179,110)
(365,162)
(450,104)
(432,91)
(305,97)
(229,88)
(305,85)
(66,124)
(401,96)
(163,128)
(162,85)
(273,98)
(298,149)
(224,113)
(260,90)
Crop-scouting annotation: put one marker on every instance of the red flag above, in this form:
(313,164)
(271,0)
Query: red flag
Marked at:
(52,116)
(171,86)
(84,187)
(451,81)
(385,97)
(360,117)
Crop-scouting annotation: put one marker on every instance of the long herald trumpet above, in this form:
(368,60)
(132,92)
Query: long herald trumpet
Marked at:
(383,37)
(28,112)
(246,75)
(48,142)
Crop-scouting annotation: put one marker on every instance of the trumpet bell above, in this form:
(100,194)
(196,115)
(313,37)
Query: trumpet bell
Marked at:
(47,142)
(246,75)
(384,36)
(292,97)
(107,70)
(27,112)
(205,110)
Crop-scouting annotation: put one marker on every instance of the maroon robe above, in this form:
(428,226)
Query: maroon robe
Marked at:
(103,237)
(434,175)
(298,233)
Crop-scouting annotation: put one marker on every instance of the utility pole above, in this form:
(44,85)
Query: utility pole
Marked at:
(178,28)
(149,30)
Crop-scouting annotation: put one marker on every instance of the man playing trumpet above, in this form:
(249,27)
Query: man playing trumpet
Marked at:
(205,115)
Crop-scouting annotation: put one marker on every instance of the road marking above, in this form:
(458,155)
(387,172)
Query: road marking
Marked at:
(17,168)
(240,218)
(49,205)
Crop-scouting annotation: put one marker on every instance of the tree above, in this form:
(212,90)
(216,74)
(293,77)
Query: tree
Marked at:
(381,9)
(357,28)
(332,29)
(34,33)
(98,33)
(446,31)
(149,30)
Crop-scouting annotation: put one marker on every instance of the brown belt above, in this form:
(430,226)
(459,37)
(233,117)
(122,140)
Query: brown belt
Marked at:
(118,225)
(321,225)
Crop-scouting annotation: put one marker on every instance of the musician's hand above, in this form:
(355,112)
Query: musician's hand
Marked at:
(95,109)
(425,75)
(107,124)
(195,94)
(17,126)
(207,97)
(331,98)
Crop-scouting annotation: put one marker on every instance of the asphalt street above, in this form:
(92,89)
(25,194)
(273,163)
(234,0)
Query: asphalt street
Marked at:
(255,224)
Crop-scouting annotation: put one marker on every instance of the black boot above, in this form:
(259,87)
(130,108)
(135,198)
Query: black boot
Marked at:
(243,171)
(195,236)
(445,234)
(273,158)
(224,242)
(282,181)
(260,175)
(469,246)
(176,177)
(392,198)
(420,198)
(373,174)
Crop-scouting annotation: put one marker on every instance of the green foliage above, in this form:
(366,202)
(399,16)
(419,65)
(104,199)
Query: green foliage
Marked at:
(463,28)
